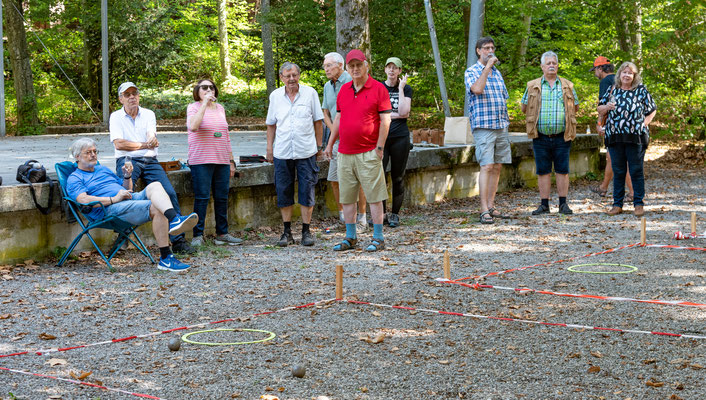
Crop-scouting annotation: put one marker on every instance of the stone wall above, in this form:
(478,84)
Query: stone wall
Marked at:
(432,175)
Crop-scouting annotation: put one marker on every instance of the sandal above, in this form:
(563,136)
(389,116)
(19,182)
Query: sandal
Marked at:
(375,245)
(597,190)
(497,214)
(486,218)
(346,244)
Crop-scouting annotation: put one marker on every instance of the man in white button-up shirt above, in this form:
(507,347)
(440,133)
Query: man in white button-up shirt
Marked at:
(294,135)
(133,133)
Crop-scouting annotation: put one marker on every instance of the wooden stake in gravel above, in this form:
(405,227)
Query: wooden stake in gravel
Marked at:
(339,282)
(643,232)
(693,223)
(447,266)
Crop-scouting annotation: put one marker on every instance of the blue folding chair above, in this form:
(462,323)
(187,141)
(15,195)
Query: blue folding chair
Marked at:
(124,229)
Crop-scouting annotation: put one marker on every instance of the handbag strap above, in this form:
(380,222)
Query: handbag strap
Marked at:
(43,210)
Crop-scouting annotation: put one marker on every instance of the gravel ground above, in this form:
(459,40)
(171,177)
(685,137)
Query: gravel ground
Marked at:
(418,355)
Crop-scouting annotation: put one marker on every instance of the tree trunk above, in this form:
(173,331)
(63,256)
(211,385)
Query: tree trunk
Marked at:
(270,77)
(524,43)
(352,29)
(635,26)
(223,39)
(92,68)
(27,114)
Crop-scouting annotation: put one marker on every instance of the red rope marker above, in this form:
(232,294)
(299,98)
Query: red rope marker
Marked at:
(478,286)
(564,325)
(93,385)
(146,335)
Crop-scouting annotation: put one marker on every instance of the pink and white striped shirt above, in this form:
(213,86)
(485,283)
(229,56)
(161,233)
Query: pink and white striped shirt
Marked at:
(211,143)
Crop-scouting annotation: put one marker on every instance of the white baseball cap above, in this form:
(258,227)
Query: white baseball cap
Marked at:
(125,86)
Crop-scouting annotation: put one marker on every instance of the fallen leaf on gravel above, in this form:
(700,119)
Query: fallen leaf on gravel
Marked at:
(377,339)
(46,336)
(444,362)
(574,355)
(377,314)
(5,316)
(649,361)
(56,361)
(268,397)
(696,366)
(280,389)
(653,383)
(54,397)
(594,369)
(364,389)
(142,289)
(596,354)
(268,389)
(81,377)
(173,305)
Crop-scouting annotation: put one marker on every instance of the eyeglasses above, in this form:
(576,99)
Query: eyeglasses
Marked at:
(130,94)
(208,87)
(491,47)
(330,65)
(90,152)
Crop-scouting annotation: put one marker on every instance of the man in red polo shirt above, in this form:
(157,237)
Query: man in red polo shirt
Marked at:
(362,122)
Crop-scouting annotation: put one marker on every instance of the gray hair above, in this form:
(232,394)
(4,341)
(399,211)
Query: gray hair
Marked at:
(337,57)
(287,66)
(79,145)
(549,54)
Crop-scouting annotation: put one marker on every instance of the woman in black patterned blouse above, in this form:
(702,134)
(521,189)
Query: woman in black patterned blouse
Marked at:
(630,110)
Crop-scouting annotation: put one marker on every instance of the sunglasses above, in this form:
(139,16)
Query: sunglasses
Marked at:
(130,94)
(208,87)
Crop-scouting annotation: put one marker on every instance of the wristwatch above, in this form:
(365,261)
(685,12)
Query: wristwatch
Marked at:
(380,148)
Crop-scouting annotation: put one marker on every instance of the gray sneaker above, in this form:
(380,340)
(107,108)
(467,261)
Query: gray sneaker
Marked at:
(393,220)
(307,239)
(229,239)
(197,241)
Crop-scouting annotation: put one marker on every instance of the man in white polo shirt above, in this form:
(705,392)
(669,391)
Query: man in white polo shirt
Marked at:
(133,133)
(294,135)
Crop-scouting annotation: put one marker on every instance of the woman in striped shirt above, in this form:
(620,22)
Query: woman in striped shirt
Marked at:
(210,159)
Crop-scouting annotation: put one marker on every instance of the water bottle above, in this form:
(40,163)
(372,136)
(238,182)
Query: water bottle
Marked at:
(588,129)
(127,165)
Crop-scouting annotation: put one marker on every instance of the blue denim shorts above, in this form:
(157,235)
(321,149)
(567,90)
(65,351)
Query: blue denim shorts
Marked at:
(551,150)
(492,146)
(135,211)
(306,172)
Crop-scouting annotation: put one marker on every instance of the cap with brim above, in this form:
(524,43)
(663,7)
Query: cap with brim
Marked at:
(598,62)
(355,54)
(395,61)
(125,86)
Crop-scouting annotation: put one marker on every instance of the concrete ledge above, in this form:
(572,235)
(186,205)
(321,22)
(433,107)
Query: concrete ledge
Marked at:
(432,175)
(76,129)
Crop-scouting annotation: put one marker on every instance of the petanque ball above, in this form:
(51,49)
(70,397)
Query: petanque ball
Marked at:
(174,344)
(298,371)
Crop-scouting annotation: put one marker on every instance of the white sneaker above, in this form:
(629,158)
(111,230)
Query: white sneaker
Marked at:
(227,238)
(362,222)
(197,241)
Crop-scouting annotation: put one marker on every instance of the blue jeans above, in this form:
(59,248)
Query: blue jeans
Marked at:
(624,156)
(148,168)
(207,179)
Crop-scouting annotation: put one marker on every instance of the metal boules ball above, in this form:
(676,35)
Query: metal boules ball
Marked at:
(174,344)
(298,371)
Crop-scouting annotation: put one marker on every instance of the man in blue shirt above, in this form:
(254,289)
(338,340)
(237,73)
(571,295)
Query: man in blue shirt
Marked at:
(91,182)
(489,121)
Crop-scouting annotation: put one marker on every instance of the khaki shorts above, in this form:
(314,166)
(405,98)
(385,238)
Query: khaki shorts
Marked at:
(356,170)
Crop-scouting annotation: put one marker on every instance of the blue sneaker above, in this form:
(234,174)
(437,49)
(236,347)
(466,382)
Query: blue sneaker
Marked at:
(182,223)
(170,263)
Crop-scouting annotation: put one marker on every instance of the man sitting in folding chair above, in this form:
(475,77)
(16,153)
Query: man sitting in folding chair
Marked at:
(92,182)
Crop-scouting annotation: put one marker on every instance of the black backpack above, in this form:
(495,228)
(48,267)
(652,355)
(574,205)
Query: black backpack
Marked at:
(33,172)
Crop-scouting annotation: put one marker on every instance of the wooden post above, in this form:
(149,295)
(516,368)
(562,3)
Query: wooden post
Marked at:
(693,222)
(643,232)
(339,282)
(447,266)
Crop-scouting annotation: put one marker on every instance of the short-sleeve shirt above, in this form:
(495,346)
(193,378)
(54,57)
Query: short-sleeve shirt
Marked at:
(359,123)
(398,126)
(102,182)
(123,126)
(331,89)
(625,124)
(487,110)
(552,114)
(210,144)
(605,84)
(295,138)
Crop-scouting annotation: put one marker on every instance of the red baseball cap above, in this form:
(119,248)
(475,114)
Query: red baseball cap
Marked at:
(355,54)
(600,60)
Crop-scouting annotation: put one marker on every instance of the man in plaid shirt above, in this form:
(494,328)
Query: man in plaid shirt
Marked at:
(489,121)
(550,104)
